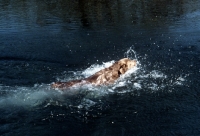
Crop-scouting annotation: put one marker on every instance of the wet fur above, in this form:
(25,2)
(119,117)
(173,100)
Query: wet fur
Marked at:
(103,77)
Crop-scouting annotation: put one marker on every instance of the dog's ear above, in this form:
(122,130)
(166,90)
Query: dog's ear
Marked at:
(123,69)
(122,66)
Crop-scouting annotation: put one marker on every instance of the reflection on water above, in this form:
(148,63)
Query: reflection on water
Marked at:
(64,15)
(70,32)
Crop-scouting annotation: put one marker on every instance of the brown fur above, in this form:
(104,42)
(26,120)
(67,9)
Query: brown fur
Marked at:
(103,77)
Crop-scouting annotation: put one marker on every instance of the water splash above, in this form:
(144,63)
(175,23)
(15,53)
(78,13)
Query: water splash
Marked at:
(130,53)
(95,68)
(134,80)
(26,97)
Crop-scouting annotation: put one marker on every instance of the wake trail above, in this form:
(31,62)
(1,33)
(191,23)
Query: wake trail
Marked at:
(136,79)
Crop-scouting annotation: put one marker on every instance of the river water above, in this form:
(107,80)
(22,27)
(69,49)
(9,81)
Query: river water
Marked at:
(43,41)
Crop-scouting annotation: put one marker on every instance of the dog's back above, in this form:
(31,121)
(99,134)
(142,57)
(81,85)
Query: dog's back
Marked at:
(103,77)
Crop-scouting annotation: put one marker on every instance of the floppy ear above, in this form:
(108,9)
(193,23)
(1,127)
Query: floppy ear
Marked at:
(123,69)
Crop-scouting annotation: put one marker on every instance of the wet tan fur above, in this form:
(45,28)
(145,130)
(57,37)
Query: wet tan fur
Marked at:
(103,77)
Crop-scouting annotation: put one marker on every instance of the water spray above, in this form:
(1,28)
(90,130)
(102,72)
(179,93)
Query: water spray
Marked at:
(130,53)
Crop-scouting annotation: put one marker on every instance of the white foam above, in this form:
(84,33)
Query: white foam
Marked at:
(24,96)
(137,85)
(86,103)
(157,74)
(134,79)
(95,68)
(179,81)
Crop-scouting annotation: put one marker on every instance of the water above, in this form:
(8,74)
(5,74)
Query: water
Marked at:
(60,40)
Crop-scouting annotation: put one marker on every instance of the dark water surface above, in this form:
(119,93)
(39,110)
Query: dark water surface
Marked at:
(42,41)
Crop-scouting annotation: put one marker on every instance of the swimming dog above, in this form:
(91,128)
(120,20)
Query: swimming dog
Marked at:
(103,77)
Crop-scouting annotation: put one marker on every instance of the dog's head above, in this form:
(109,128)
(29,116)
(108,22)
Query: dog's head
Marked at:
(126,64)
